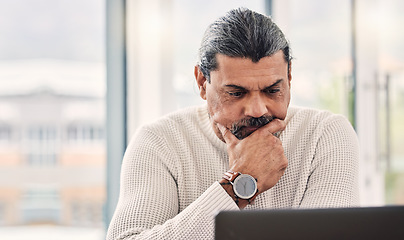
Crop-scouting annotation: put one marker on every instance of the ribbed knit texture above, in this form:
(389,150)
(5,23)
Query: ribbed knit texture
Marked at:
(169,187)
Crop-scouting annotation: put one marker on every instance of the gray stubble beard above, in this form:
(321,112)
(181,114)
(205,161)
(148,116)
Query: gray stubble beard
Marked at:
(238,128)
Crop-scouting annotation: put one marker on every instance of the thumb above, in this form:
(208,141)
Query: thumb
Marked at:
(228,137)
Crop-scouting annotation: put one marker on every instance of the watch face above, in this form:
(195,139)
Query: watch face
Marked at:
(245,186)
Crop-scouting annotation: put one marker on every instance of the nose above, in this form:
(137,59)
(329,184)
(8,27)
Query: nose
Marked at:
(255,107)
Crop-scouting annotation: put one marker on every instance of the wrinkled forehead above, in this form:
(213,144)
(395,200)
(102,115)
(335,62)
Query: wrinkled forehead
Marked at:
(238,69)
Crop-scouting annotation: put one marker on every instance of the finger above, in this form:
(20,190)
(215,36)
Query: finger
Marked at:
(275,126)
(227,135)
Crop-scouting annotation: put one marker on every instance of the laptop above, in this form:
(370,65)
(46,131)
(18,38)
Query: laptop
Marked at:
(331,223)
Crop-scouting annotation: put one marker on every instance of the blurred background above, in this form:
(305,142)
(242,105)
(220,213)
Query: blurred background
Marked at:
(78,77)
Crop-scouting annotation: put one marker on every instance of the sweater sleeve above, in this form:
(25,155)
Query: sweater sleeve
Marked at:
(148,202)
(333,181)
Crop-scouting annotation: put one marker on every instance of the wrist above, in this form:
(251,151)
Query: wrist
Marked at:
(228,187)
(242,188)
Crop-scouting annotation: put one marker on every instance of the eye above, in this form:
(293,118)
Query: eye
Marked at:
(236,94)
(272,90)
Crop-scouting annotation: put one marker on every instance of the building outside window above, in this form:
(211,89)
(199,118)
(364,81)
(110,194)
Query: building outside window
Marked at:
(5,133)
(52,119)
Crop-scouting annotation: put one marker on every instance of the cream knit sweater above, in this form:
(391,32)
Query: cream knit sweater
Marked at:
(171,168)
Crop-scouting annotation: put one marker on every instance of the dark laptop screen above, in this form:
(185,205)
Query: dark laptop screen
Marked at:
(332,223)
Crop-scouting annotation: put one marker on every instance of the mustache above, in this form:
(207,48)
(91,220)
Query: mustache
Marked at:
(238,127)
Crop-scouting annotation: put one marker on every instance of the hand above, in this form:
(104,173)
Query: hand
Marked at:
(261,154)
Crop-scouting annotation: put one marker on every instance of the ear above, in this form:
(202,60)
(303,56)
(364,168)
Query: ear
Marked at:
(201,81)
(290,73)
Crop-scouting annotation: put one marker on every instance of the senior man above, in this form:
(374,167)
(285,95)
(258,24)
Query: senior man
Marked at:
(244,149)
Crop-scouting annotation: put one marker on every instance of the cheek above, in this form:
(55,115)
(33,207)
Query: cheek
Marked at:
(282,106)
(221,112)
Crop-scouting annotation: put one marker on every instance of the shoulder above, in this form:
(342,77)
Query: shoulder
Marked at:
(170,122)
(163,137)
(173,127)
(313,123)
(314,118)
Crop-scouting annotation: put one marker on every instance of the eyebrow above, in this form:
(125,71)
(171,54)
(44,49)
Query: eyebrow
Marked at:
(242,88)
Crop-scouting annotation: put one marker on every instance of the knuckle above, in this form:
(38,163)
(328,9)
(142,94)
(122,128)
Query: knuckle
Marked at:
(272,140)
(280,124)
(277,141)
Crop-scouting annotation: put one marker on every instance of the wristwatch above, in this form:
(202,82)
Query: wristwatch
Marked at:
(244,185)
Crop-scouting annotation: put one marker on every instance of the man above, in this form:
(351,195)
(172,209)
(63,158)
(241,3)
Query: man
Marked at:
(246,149)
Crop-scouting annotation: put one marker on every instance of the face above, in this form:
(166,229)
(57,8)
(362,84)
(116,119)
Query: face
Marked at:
(243,95)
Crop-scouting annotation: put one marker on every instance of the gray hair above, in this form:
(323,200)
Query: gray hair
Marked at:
(241,33)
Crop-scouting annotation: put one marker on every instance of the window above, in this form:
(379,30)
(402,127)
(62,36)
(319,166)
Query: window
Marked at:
(5,133)
(41,145)
(2,213)
(390,99)
(52,118)
(82,132)
(40,204)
